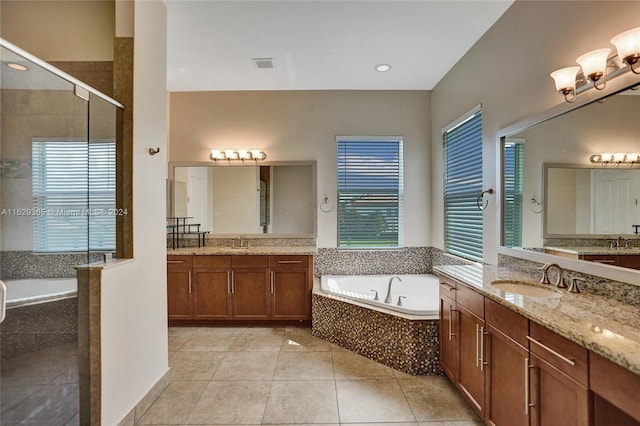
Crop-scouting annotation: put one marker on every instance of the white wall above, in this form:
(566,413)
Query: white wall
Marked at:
(302,126)
(134,306)
(507,71)
(290,214)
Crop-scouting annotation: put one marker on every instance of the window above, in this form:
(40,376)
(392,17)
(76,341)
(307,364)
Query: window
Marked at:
(369,192)
(513,182)
(462,186)
(73,195)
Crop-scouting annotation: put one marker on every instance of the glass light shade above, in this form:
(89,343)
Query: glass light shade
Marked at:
(606,157)
(627,43)
(565,78)
(216,154)
(258,155)
(244,154)
(594,63)
(619,157)
(230,154)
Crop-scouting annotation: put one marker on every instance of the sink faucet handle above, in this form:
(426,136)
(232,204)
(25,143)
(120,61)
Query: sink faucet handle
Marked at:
(400,300)
(375,296)
(573,288)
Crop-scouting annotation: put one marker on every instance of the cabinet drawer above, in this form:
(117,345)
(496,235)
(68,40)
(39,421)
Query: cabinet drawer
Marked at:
(608,259)
(474,302)
(211,261)
(179,261)
(508,322)
(447,287)
(250,262)
(563,354)
(617,385)
(289,262)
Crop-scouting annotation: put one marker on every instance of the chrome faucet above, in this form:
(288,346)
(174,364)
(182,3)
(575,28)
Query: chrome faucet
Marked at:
(241,241)
(622,242)
(545,277)
(388,298)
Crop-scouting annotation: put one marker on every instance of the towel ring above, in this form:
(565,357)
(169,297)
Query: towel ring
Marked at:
(536,206)
(324,206)
(480,197)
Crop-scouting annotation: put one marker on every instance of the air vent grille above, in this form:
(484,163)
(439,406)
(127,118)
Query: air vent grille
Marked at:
(263,62)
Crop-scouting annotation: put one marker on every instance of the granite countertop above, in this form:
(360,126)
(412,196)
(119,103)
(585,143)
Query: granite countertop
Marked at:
(579,250)
(606,327)
(258,250)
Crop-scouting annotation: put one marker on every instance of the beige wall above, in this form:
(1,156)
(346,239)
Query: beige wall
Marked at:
(303,125)
(61,30)
(507,71)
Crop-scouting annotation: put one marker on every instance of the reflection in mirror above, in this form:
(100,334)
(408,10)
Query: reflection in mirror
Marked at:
(573,202)
(266,199)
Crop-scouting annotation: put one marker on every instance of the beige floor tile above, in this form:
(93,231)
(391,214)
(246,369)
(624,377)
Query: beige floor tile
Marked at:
(209,342)
(234,402)
(453,423)
(301,402)
(186,365)
(351,366)
(304,366)
(367,401)
(384,424)
(176,341)
(299,340)
(218,331)
(247,366)
(182,331)
(175,403)
(260,342)
(434,398)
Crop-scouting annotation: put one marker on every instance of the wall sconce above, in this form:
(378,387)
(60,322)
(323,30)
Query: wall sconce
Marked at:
(594,65)
(241,154)
(616,158)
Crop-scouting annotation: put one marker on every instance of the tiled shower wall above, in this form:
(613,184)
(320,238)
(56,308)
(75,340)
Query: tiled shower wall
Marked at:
(409,260)
(26,264)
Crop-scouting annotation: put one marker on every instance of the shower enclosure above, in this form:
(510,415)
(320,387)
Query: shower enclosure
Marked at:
(58,140)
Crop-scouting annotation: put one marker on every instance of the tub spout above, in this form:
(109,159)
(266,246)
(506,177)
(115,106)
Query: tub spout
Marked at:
(388,298)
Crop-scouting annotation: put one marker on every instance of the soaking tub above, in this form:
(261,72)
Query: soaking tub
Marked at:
(420,293)
(37,290)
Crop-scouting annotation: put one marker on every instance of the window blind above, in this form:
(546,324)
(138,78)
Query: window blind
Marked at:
(369,193)
(73,195)
(462,186)
(513,185)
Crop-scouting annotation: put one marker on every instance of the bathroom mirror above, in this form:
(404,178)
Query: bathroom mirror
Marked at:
(268,198)
(550,189)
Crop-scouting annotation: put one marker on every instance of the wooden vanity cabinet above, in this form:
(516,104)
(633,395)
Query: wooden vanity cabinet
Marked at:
(615,393)
(212,282)
(179,287)
(250,287)
(291,284)
(448,329)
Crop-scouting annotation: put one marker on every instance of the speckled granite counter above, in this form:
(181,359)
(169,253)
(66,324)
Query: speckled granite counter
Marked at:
(258,250)
(595,250)
(606,327)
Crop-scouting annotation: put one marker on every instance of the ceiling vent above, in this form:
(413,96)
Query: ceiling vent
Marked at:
(263,62)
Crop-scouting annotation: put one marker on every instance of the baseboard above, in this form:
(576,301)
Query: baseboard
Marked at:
(143,405)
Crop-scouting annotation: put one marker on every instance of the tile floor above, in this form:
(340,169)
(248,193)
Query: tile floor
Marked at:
(40,388)
(283,375)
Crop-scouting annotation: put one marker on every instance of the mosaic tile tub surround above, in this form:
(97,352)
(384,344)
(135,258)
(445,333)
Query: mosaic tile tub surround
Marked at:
(27,264)
(411,346)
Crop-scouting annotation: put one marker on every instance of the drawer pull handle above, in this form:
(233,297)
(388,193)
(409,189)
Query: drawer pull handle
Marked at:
(482,362)
(548,349)
(284,262)
(190,290)
(451,333)
(450,288)
(526,386)
(175,261)
(477,347)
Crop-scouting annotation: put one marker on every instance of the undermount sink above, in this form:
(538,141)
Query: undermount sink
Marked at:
(523,289)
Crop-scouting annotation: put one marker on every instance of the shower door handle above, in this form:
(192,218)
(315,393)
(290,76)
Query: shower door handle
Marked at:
(3,300)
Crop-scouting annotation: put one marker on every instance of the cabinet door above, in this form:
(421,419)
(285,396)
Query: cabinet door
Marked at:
(471,361)
(507,378)
(291,293)
(555,398)
(448,338)
(251,294)
(179,294)
(212,294)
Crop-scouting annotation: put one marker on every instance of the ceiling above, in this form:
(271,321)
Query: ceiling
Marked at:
(320,45)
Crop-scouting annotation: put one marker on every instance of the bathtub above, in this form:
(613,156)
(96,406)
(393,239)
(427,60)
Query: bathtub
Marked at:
(420,292)
(37,290)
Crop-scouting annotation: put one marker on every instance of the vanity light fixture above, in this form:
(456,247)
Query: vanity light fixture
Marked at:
(595,66)
(240,154)
(617,158)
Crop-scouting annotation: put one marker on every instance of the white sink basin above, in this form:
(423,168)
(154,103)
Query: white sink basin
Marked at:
(523,289)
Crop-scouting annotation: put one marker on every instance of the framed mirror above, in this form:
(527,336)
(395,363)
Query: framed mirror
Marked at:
(261,199)
(550,191)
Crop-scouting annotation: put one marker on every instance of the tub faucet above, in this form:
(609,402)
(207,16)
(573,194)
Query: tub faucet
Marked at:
(388,298)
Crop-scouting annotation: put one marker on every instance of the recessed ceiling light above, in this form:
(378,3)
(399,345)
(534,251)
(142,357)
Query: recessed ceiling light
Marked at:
(17,67)
(383,67)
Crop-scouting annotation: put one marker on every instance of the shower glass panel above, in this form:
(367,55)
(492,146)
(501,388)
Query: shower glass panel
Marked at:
(57,171)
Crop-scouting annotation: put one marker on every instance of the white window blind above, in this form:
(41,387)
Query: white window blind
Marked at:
(369,193)
(462,186)
(73,195)
(513,187)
